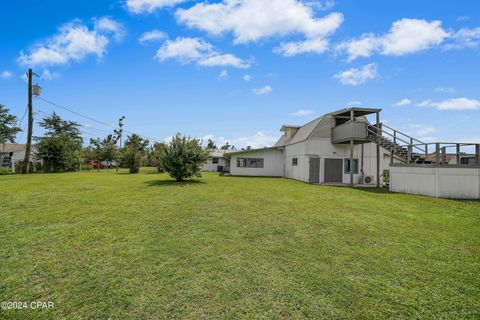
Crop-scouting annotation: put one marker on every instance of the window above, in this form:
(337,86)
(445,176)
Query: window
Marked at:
(214,160)
(463,160)
(346,166)
(294,161)
(250,162)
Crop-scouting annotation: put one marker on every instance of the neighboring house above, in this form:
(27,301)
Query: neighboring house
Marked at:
(218,162)
(320,151)
(10,154)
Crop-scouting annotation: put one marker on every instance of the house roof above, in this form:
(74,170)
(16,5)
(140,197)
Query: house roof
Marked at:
(218,153)
(302,134)
(11,147)
(251,150)
(358,112)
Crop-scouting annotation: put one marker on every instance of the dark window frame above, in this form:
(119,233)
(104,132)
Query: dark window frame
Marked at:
(346,165)
(215,160)
(251,163)
(294,161)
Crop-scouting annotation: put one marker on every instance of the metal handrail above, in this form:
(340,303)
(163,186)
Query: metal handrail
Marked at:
(404,134)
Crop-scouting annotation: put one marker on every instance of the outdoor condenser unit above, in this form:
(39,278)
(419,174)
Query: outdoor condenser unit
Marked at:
(368,179)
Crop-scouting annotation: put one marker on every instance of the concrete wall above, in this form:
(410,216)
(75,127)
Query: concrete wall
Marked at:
(436,181)
(273,165)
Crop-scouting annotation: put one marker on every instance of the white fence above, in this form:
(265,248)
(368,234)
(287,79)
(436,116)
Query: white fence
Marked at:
(436,181)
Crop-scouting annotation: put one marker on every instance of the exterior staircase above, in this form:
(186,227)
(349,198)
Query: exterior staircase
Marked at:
(390,139)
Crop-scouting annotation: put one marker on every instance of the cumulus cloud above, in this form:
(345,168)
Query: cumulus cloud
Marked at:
(303,113)
(262,91)
(149,6)
(465,38)
(6,74)
(108,25)
(252,20)
(452,104)
(357,76)
(405,36)
(247,77)
(73,42)
(196,50)
(404,102)
(290,49)
(151,36)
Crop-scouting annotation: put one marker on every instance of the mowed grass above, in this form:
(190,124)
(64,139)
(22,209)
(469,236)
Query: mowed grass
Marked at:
(106,245)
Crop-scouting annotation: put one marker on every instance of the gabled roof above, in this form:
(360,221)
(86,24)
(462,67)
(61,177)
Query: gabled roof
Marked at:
(12,147)
(302,134)
(217,153)
(251,150)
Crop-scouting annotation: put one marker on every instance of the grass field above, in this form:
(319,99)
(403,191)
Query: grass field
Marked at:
(106,245)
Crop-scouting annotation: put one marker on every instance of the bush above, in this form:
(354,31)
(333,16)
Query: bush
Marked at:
(183,158)
(5,171)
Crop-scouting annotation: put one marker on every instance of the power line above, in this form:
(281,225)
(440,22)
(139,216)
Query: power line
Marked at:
(92,119)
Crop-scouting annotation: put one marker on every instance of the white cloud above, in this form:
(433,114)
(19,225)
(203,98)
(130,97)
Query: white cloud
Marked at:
(303,113)
(465,38)
(320,5)
(262,91)
(74,42)
(47,75)
(223,75)
(149,6)
(6,74)
(257,140)
(406,36)
(290,49)
(357,76)
(252,20)
(150,36)
(424,103)
(463,18)
(452,104)
(247,77)
(353,104)
(187,50)
(108,25)
(404,102)
(444,90)
(420,131)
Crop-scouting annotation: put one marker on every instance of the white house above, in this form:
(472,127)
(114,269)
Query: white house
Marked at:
(320,152)
(217,162)
(10,154)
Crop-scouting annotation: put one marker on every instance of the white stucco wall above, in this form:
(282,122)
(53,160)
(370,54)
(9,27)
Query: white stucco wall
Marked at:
(436,181)
(272,163)
(323,148)
(213,167)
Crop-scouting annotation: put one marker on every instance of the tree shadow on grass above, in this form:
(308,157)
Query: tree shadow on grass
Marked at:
(173,183)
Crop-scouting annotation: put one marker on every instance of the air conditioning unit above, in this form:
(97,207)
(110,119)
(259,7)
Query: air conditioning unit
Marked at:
(368,179)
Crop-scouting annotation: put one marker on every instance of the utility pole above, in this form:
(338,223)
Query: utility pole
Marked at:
(28,150)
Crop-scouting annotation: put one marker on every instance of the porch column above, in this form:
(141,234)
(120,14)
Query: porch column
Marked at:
(378,150)
(352,116)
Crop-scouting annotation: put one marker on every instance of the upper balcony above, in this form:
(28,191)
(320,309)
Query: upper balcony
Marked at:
(350,130)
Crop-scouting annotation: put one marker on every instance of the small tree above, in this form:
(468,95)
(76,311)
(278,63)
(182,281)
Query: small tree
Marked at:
(226,146)
(156,155)
(134,152)
(183,158)
(8,126)
(60,148)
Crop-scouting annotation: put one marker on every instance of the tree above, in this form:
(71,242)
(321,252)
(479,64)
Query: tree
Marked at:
(104,150)
(183,157)
(211,144)
(226,146)
(156,154)
(60,148)
(134,152)
(8,126)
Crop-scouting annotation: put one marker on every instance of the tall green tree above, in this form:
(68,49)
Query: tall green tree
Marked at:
(183,158)
(211,144)
(134,152)
(60,148)
(8,126)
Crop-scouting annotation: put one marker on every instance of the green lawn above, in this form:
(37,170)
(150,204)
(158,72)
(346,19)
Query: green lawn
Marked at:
(106,245)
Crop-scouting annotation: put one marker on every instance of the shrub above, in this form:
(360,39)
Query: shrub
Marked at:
(183,158)
(5,171)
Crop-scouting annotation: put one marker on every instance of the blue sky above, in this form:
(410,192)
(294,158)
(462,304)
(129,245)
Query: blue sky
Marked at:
(236,70)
